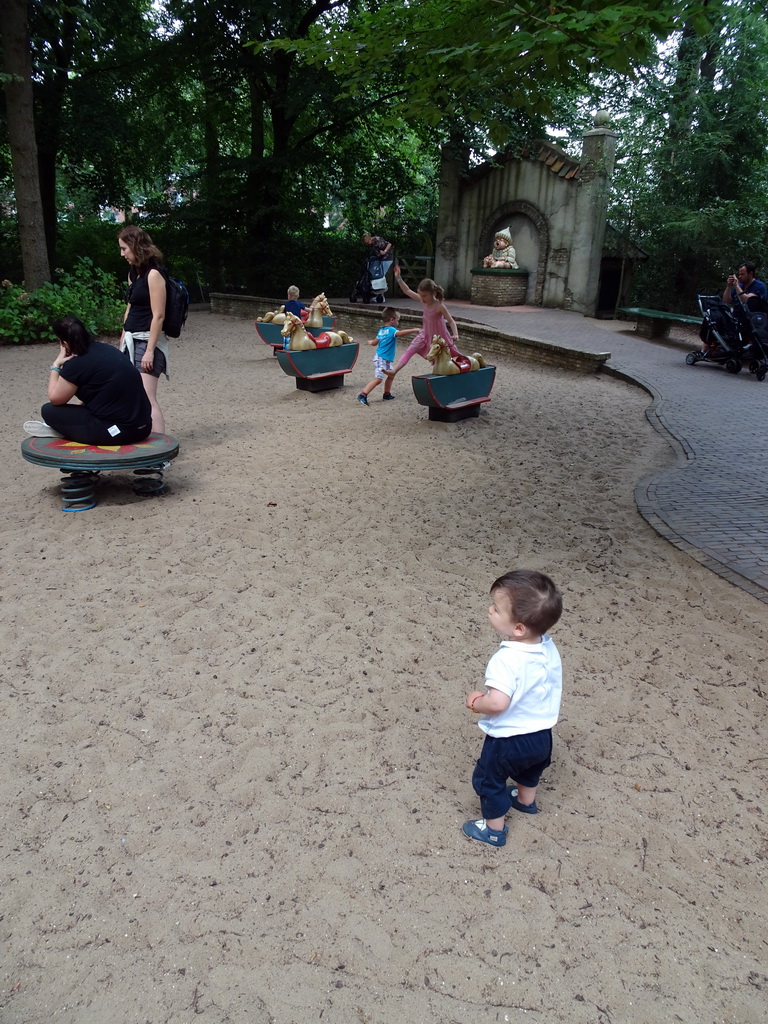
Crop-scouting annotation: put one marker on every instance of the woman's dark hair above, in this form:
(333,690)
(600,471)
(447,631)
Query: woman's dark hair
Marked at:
(141,245)
(74,334)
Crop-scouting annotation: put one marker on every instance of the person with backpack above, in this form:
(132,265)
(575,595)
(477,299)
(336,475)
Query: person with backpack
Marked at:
(143,340)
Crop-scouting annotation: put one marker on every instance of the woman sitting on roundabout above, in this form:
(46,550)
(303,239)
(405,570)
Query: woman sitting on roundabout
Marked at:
(115,408)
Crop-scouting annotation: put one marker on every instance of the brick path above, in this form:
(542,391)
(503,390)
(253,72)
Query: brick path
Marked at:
(713,503)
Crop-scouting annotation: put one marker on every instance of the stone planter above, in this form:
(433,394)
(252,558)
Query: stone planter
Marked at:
(498,287)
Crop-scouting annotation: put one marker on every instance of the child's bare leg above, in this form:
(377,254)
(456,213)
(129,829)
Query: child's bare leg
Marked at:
(495,823)
(526,795)
(369,387)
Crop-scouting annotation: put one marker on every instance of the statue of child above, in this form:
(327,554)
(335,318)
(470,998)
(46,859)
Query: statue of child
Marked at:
(503,255)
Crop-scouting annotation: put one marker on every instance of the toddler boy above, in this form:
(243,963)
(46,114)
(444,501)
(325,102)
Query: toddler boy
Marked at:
(293,305)
(384,357)
(521,703)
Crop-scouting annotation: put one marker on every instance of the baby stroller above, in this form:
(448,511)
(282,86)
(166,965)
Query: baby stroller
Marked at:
(371,285)
(723,331)
(757,349)
(733,336)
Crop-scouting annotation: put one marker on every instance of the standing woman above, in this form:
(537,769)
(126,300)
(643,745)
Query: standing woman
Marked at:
(142,338)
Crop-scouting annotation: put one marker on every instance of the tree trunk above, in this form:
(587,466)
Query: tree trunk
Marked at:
(17,63)
(49,92)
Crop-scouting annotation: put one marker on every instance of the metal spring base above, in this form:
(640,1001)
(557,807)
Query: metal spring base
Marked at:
(78,489)
(149,481)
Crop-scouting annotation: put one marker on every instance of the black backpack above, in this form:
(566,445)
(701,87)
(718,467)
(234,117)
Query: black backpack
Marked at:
(176,305)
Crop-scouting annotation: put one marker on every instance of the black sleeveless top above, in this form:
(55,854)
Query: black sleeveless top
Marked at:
(140,314)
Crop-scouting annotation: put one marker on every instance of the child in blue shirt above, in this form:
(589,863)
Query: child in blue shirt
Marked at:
(293,305)
(384,357)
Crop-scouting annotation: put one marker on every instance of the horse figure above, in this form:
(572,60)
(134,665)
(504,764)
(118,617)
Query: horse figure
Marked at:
(444,363)
(317,310)
(300,341)
(276,317)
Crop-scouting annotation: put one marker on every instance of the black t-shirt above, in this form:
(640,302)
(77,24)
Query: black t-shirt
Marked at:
(109,386)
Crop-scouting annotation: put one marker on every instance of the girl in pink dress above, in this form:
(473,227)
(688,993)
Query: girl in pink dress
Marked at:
(437,320)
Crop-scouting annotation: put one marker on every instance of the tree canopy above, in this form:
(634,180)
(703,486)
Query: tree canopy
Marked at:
(693,156)
(259,139)
(481,60)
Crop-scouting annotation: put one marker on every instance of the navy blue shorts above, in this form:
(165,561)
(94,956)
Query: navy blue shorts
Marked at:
(520,758)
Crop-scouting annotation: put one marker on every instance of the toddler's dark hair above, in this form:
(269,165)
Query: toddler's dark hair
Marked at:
(535,600)
(388,312)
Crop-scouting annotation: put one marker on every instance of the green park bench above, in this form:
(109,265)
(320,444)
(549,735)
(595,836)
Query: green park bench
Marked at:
(655,323)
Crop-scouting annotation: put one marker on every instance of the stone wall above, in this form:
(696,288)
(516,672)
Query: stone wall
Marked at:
(362,323)
(248,306)
(499,287)
(555,207)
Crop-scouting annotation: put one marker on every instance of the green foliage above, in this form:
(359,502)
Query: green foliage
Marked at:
(98,239)
(465,58)
(254,166)
(87,293)
(692,176)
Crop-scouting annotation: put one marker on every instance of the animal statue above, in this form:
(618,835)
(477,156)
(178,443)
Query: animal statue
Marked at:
(444,363)
(300,341)
(276,317)
(317,310)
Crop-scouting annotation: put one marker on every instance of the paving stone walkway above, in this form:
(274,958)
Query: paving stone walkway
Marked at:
(713,502)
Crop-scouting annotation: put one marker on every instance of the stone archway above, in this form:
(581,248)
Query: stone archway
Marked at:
(531,256)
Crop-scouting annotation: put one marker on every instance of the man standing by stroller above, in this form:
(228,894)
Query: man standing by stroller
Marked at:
(745,288)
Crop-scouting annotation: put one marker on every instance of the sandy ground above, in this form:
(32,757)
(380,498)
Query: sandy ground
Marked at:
(235,754)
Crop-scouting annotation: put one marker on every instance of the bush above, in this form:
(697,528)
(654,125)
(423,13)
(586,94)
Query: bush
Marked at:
(92,237)
(87,293)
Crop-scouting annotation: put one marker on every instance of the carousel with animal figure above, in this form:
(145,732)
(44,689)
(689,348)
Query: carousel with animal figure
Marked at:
(318,361)
(315,319)
(458,385)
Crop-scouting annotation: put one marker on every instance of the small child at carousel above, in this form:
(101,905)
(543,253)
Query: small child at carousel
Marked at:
(293,305)
(503,256)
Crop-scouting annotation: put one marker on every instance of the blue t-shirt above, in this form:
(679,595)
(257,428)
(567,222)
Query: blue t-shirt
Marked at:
(756,288)
(294,306)
(387,339)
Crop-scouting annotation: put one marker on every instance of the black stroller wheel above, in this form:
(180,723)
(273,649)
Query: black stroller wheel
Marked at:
(353,297)
(692,358)
(733,365)
(760,375)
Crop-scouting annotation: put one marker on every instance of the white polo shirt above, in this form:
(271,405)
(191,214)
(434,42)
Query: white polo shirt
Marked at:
(532,677)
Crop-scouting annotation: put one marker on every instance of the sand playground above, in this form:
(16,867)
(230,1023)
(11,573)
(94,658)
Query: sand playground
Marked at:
(236,756)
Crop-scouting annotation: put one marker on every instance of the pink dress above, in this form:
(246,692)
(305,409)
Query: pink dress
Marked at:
(433,323)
